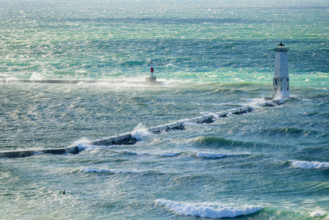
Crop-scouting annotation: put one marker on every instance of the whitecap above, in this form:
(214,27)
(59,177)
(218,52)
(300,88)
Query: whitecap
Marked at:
(97,170)
(8,79)
(81,83)
(94,170)
(207,210)
(140,132)
(208,155)
(82,143)
(209,114)
(35,76)
(318,214)
(88,147)
(255,102)
(309,164)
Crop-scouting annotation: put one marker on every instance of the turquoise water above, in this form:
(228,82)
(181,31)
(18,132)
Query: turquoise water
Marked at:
(211,57)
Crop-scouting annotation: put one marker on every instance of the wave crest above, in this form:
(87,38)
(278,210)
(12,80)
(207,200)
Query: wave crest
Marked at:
(318,214)
(97,170)
(309,165)
(219,142)
(140,132)
(208,155)
(289,131)
(164,154)
(207,210)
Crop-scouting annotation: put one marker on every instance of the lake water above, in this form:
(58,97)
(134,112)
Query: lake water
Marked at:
(272,163)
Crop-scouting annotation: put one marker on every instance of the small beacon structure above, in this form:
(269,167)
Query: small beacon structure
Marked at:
(151,78)
(281,77)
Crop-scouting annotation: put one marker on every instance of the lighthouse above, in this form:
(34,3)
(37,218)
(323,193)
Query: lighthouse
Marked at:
(151,78)
(281,77)
(152,69)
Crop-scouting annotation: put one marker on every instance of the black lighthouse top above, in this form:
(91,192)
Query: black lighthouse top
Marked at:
(281,48)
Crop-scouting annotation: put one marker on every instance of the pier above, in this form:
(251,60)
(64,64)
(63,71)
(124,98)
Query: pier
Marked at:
(76,81)
(281,92)
(127,138)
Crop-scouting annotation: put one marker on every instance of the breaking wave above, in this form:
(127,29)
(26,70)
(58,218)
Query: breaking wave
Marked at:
(82,143)
(318,214)
(97,170)
(88,147)
(215,140)
(165,154)
(309,165)
(140,132)
(208,155)
(207,210)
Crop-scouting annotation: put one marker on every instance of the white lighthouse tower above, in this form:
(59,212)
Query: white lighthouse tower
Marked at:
(281,77)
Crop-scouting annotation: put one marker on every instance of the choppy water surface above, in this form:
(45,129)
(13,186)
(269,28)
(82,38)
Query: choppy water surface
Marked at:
(271,163)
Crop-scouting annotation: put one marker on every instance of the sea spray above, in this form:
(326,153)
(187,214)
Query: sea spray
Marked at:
(210,114)
(207,210)
(82,143)
(35,76)
(57,42)
(140,132)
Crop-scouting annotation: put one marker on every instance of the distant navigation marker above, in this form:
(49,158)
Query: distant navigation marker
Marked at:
(152,78)
(281,78)
(152,69)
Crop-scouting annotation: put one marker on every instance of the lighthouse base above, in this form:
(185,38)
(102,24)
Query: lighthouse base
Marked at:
(272,102)
(151,79)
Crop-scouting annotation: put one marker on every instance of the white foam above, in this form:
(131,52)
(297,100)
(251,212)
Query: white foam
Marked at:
(188,123)
(208,155)
(88,147)
(169,154)
(97,170)
(140,132)
(309,165)
(318,213)
(35,76)
(82,143)
(255,102)
(8,79)
(207,210)
(209,114)
(81,83)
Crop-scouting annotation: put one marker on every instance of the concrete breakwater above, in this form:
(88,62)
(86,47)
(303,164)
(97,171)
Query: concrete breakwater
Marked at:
(27,153)
(73,81)
(128,138)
